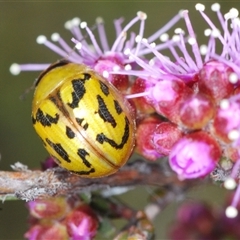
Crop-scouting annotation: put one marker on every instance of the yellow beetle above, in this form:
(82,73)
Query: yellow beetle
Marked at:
(85,123)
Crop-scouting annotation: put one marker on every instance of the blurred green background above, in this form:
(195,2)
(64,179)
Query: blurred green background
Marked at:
(20,23)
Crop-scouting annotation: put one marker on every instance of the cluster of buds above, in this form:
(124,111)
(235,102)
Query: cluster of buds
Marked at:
(187,105)
(59,218)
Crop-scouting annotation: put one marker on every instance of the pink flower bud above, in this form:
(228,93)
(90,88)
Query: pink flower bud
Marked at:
(167,95)
(214,80)
(108,65)
(194,155)
(51,208)
(227,119)
(144,135)
(142,103)
(196,111)
(164,137)
(82,223)
(52,230)
(48,163)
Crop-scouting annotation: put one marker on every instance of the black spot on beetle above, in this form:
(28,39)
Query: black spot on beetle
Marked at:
(92,170)
(101,138)
(80,123)
(117,107)
(86,76)
(85,126)
(55,99)
(45,119)
(104,88)
(82,153)
(69,132)
(78,92)
(59,150)
(33,120)
(44,144)
(104,113)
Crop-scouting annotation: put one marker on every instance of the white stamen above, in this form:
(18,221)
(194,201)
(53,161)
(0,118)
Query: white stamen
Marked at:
(127,51)
(236,21)
(142,15)
(192,40)
(233,78)
(176,38)
(78,46)
(15,69)
(203,49)
(230,183)
(99,20)
(144,40)
(164,37)
(231,212)
(151,62)
(55,37)
(128,67)
(138,39)
(216,33)
(233,135)
(181,13)
(68,24)
(130,57)
(116,68)
(83,25)
(215,7)
(76,21)
(233,12)
(207,32)
(105,74)
(199,7)
(224,104)
(41,39)
(179,31)
(227,15)
(153,45)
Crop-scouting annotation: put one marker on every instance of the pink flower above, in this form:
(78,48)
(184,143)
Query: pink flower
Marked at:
(194,155)
(82,223)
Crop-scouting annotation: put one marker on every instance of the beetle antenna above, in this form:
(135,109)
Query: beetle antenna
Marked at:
(28,90)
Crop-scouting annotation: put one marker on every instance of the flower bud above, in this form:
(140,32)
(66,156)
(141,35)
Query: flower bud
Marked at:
(51,208)
(214,80)
(54,230)
(82,223)
(196,111)
(194,155)
(226,122)
(164,137)
(167,95)
(144,135)
(142,103)
(108,65)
